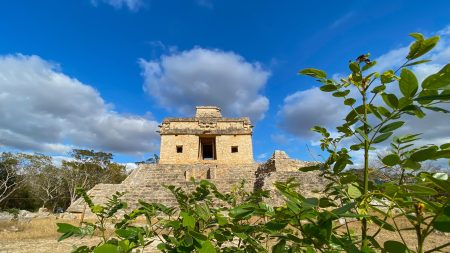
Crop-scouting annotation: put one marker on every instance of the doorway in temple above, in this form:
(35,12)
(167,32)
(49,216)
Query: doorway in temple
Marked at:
(207,149)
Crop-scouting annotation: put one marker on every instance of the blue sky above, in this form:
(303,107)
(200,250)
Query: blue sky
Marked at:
(129,58)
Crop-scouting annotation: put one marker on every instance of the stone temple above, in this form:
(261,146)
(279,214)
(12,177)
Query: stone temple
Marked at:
(206,146)
(207,138)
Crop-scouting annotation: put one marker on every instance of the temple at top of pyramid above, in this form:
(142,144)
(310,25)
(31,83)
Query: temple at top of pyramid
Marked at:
(206,138)
(206,147)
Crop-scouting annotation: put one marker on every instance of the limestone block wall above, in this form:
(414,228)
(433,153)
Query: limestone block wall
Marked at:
(190,149)
(244,154)
(168,152)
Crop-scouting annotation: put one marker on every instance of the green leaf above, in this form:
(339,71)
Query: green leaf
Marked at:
(379,88)
(442,221)
(426,93)
(349,101)
(354,67)
(383,111)
(417,36)
(313,72)
(328,88)
(242,211)
(275,225)
(369,65)
(392,126)
(353,191)
(188,221)
(356,147)
(395,247)
(421,46)
(390,99)
(410,164)
(106,248)
(436,109)
(207,247)
(375,112)
(408,138)
(408,83)
(442,154)
(358,130)
(340,164)
(387,76)
(416,63)
(382,137)
(413,110)
(341,93)
(438,80)
(198,236)
(420,190)
(391,160)
(68,230)
(97,209)
(443,184)
(344,209)
(423,154)
(279,247)
(435,97)
(445,146)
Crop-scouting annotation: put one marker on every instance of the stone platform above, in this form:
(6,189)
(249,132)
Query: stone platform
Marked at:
(146,182)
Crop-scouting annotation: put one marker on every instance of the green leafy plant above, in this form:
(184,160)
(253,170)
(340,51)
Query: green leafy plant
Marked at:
(369,123)
(204,220)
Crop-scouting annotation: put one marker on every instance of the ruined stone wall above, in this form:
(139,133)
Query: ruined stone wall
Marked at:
(146,182)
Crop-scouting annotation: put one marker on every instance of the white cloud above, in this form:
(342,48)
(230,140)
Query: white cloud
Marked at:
(42,109)
(132,5)
(303,109)
(182,80)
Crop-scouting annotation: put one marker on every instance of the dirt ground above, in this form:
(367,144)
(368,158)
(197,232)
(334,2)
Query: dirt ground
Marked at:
(40,236)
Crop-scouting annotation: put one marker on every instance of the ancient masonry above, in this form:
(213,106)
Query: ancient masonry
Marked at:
(207,146)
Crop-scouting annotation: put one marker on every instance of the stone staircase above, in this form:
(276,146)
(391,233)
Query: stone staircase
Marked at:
(148,180)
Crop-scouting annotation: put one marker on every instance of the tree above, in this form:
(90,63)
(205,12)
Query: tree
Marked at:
(11,174)
(151,160)
(89,168)
(45,179)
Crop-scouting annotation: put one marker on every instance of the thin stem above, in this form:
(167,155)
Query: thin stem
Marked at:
(399,233)
(366,170)
(438,248)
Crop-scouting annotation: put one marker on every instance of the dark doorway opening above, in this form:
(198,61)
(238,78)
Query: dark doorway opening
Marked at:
(207,148)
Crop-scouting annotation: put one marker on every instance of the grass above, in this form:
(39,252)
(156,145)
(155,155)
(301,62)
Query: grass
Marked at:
(34,229)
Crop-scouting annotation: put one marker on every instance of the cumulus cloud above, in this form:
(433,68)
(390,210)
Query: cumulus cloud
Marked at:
(182,80)
(304,109)
(132,5)
(42,109)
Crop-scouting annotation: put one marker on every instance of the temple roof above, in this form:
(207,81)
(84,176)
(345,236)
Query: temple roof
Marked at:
(207,120)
